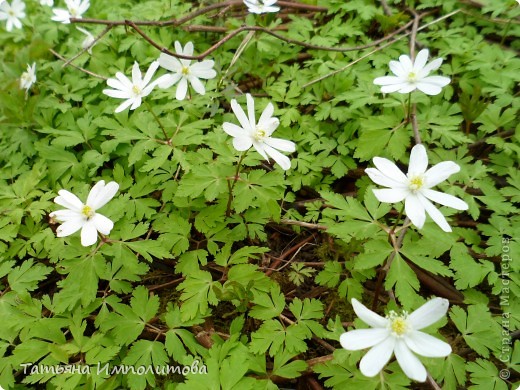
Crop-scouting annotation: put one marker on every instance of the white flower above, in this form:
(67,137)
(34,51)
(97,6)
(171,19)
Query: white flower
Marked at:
(133,90)
(84,216)
(415,187)
(261,6)
(397,334)
(49,3)
(12,13)
(28,78)
(183,71)
(258,135)
(75,9)
(87,41)
(413,75)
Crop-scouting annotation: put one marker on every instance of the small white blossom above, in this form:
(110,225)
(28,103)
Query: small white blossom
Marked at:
(258,135)
(49,3)
(87,42)
(399,334)
(79,215)
(28,78)
(75,9)
(136,89)
(415,187)
(12,13)
(261,6)
(410,76)
(183,71)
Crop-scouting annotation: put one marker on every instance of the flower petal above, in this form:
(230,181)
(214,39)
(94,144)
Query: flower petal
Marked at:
(267,114)
(440,172)
(70,227)
(88,234)
(388,80)
(429,313)
(233,130)
(182,89)
(241,115)
(425,345)
(69,200)
(278,157)
(123,106)
(375,359)
(411,365)
(150,72)
(197,85)
(414,210)
(65,215)
(435,214)
(390,170)
(391,195)
(363,338)
(102,224)
(368,316)
(397,87)
(418,160)
(406,63)
(242,143)
(101,194)
(420,60)
(251,110)
(397,68)
(377,177)
(169,62)
(203,69)
(428,88)
(445,199)
(281,144)
(433,65)
(136,74)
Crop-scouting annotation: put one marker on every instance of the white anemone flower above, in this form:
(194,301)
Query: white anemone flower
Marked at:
(75,9)
(258,135)
(399,334)
(28,78)
(83,216)
(133,90)
(415,187)
(87,42)
(261,6)
(12,13)
(183,71)
(411,75)
(48,3)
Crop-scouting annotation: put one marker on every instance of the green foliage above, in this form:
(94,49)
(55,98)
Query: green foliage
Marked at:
(221,261)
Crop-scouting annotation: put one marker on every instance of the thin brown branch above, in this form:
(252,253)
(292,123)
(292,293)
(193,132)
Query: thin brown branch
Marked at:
(99,36)
(77,67)
(303,224)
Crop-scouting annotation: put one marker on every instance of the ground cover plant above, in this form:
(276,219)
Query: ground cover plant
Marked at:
(259,194)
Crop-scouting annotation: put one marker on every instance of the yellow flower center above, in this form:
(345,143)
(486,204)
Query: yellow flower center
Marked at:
(136,90)
(416,183)
(25,76)
(88,212)
(398,323)
(185,70)
(73,12)
(259,134)
(412,77)
(11,13)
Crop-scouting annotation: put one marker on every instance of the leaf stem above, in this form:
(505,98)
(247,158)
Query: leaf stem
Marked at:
(148,105)
(231,186)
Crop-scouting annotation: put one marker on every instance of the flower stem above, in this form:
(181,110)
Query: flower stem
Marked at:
(409,110)
(231,186)
(156,119)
